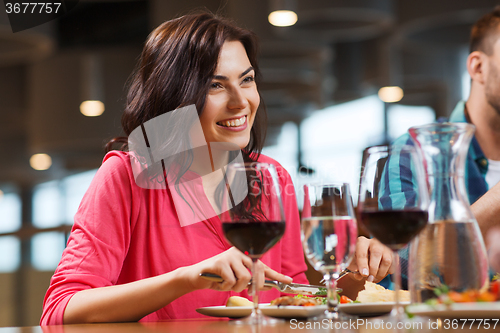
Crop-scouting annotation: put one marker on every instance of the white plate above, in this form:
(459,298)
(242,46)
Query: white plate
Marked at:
(480,310)
(268,310)
(224,311)
(368,309)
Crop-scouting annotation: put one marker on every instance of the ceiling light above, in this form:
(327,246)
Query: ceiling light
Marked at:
(282,18)
(92,108)
(92,89)
(390,94)
(40,161)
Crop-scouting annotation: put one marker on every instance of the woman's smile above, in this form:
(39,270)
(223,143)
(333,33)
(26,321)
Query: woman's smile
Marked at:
(234,124)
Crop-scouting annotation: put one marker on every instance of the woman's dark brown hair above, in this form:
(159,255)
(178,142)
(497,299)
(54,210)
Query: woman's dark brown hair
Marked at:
(176,68)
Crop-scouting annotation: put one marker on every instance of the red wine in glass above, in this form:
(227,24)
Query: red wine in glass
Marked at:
(253,238)
(395,228)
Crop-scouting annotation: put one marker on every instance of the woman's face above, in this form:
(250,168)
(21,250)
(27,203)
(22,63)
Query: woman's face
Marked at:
(232,99)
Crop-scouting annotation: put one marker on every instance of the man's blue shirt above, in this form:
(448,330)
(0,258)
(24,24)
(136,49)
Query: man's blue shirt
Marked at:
(397,181)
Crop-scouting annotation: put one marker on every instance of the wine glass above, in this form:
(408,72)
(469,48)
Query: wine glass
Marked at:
(329,232)
(392,216)
(253,219)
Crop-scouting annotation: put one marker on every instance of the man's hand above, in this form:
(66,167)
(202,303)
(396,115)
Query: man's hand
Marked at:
(373,260)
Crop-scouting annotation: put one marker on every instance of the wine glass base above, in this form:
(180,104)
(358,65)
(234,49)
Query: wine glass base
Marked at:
(257,319)
(332,316)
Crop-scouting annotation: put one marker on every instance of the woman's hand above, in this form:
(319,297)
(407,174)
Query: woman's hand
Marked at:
(234,268)
(372,259)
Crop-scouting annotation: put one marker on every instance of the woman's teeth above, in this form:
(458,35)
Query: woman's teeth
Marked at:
(234,122)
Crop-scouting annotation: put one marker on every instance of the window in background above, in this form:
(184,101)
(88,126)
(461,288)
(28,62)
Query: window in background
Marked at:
(402,117)
(55,203)
(333,139)
(47,205)
(10,248)
(286,149)
(10,211)
(75,187)
(46,250)
(465,85)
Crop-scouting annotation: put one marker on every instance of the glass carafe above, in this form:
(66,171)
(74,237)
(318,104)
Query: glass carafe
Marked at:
(450,250)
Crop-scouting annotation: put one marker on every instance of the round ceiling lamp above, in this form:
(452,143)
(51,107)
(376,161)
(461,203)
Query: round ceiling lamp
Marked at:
(390,94)
(283,13)
(40,161)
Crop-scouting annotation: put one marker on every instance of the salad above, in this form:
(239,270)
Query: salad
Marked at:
(446,296)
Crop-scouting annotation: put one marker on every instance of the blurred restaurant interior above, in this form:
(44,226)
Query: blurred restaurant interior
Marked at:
(322,80)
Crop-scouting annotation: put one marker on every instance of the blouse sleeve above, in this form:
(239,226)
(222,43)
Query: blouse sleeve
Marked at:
(98,242)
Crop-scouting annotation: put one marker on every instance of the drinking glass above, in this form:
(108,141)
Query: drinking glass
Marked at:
(390,215)
(253,219)
(329,232)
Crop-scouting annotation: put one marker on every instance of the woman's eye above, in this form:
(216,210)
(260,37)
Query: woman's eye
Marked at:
(248,79)
(215,85)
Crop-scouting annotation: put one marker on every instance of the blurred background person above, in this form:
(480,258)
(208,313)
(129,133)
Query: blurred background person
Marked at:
(481,109)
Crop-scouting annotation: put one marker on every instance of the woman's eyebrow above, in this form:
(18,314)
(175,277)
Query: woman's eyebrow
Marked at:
(246,72)
(225,78)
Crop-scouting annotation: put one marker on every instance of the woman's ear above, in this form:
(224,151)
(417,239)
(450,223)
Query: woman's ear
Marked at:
(476,66)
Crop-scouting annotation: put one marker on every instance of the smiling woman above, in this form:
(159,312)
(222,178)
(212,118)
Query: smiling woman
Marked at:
(129,256)
(233,99)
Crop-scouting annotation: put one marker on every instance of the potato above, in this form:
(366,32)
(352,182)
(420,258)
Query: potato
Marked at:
(375,293)
(238,301)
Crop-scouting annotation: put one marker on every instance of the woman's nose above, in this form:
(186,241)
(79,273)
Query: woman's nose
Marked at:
(237,99)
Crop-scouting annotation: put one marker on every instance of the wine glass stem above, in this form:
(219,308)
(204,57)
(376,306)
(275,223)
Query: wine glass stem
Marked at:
(331,294)
(398,311)
(255,289)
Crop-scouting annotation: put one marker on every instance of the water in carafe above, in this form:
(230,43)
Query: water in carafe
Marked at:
(450,251)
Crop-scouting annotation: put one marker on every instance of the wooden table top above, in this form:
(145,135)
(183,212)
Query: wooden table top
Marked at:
(221,326)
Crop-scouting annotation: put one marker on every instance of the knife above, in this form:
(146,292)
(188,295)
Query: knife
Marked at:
(288,288)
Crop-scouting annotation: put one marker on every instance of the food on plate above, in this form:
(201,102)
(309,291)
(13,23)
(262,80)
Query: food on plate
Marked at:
(445,296)
(298,300)
(345,300)
(375,293)
(238,301)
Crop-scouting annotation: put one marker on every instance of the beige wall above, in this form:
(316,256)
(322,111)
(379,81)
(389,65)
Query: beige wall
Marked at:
(33,290)
(7,286)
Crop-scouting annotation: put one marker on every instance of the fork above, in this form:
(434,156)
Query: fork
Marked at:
(342,274)
(291,288)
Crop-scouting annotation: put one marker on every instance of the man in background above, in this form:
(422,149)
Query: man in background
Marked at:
(482,108)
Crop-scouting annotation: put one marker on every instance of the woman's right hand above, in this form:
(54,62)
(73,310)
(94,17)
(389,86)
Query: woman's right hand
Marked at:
(234,268)
(232,265)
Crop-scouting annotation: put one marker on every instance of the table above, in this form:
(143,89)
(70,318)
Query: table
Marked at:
(221,326)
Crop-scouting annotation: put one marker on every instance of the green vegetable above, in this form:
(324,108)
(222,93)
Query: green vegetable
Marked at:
(432,302)
(441,290)
(321,292)
(322,299)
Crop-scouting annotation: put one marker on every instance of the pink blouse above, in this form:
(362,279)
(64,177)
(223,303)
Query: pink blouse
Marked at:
(123,233)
